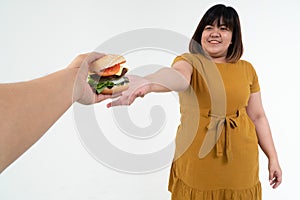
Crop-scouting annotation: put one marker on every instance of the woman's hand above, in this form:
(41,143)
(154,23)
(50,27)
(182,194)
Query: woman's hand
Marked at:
(275,173)
(138,87)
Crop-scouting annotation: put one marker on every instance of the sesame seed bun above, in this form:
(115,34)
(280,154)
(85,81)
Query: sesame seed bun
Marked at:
(106,62)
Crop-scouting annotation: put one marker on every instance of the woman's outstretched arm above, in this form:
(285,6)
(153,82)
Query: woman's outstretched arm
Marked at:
(166,79)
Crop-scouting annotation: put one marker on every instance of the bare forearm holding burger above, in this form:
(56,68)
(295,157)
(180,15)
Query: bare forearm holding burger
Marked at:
(29,109)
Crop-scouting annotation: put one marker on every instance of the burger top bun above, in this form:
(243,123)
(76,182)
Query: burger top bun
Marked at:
(106,61)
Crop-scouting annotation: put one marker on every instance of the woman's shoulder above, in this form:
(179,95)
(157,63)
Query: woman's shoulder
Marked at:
(191,58)
(248,67)
(243,62)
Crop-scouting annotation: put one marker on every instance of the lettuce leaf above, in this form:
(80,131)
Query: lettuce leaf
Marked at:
(99,86)
(102,85)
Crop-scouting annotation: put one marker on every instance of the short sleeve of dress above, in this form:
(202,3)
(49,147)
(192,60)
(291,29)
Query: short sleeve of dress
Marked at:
(181,57)
(177,59)
(253,79)
(196,78)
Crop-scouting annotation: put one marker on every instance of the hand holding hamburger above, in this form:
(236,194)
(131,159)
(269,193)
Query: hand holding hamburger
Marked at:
(106,75)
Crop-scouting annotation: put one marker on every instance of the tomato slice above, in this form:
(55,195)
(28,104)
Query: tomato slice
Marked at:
(110,71)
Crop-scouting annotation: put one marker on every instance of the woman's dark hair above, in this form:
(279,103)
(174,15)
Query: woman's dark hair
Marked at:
(220,14)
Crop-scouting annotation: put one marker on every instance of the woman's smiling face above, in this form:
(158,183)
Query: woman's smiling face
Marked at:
(215,41)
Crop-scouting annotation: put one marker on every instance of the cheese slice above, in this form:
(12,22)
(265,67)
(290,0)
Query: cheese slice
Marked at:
(120,71)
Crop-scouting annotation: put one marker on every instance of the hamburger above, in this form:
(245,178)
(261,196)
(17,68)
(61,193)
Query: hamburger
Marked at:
(106,75)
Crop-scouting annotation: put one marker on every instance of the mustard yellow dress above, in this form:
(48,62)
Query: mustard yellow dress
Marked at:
(231,169)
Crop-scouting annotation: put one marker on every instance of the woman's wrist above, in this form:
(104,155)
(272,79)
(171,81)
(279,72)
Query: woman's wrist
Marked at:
(273,158)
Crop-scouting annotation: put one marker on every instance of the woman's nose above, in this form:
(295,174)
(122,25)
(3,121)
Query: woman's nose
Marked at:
(215,32)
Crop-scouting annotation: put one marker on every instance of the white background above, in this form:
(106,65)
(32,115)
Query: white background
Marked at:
(40,37)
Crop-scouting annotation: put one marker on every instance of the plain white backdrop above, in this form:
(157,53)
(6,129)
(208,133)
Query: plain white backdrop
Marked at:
(41,37)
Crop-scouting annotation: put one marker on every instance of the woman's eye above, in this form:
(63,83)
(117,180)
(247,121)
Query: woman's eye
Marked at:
(224,28)
(208,27)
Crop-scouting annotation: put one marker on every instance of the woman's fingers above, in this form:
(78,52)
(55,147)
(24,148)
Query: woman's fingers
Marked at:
(275,179)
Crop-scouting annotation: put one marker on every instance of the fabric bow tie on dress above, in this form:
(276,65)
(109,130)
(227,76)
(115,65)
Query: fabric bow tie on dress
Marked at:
(214,137)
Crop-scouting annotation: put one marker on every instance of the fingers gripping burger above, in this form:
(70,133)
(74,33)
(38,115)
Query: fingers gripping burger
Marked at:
(106,75)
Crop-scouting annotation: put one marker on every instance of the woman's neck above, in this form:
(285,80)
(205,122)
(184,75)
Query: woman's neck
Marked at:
(219,59)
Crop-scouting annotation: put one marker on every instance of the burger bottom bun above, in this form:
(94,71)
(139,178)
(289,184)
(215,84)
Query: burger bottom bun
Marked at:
(115,89)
